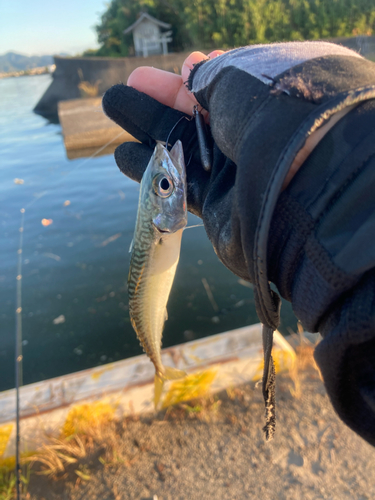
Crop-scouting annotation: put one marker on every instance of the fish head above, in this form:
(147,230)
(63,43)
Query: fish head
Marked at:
(165,182)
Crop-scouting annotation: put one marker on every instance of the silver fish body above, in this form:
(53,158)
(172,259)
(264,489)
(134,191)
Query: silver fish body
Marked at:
(161,218)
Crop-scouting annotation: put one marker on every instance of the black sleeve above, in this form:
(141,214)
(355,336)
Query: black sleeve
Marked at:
(315,240)
(321,256)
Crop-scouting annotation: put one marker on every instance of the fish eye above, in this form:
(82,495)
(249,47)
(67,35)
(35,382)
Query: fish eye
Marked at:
(163,185)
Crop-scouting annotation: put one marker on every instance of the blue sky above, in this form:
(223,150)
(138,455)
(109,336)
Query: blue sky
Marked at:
(36,27)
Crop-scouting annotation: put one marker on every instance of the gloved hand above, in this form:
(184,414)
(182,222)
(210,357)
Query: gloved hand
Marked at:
(264,103)
(251,122)
(149,121)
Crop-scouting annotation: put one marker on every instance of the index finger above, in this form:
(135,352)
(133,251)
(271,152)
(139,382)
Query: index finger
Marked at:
(168,88)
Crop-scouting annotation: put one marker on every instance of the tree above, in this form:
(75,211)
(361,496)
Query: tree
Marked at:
(207,24)
(123,13)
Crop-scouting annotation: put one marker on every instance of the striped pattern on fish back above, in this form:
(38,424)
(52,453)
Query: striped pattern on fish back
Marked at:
(145,239)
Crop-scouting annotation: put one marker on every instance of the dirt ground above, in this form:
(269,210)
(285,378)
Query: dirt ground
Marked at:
(216,450)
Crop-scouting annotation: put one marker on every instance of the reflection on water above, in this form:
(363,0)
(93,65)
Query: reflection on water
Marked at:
(74,295)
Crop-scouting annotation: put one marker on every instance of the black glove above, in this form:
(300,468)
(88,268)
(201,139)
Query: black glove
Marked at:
(150,121)
(264,102)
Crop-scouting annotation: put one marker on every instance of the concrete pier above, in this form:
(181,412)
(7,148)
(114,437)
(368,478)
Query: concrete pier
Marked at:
(102,72)
(86,128)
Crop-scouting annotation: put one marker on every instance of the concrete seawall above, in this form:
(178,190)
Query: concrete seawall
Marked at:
(102,71)
(106,71)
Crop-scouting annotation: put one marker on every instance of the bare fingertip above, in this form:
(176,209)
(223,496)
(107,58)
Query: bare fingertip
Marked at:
(193,59)
(215,53)
(135,76)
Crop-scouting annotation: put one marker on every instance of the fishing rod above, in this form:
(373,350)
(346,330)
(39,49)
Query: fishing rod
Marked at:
(18,352)
(18,356)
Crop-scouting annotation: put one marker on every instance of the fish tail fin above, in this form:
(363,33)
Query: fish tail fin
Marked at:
(158,388)
(169,374)
(173,373)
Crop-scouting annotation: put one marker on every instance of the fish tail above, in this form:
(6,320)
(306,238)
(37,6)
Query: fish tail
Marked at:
(158,388)
(169,374)
(173,373)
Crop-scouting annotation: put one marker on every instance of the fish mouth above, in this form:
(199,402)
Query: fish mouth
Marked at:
(163,231)
(172,229)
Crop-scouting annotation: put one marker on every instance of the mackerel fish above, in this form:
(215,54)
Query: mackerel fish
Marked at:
(155,249)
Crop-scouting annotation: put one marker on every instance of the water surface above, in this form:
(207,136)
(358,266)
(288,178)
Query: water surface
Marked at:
(77,266)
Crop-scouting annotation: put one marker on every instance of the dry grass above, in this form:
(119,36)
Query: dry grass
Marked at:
(86,418)
(304,360)
(193,386)
(8,483)
(92,436)
(55,456)
(204,409)
(92,433)
(88,89)
(89,429)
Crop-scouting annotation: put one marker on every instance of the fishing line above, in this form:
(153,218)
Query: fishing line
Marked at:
(96,153)
(174,126)
(196,225)
(18,361)
(188,163)
(77,167)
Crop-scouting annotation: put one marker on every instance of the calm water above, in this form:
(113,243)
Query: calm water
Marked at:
(71,268)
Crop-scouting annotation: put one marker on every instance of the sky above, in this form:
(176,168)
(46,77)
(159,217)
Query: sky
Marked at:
(39,27)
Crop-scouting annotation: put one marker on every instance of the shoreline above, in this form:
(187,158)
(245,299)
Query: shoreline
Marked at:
(28,72)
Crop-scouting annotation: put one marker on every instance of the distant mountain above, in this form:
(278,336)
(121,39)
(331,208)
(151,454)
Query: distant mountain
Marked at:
(18,62)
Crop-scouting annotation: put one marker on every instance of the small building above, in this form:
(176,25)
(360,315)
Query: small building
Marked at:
(148,37)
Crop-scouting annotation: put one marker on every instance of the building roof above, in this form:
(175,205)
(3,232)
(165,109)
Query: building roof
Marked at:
(143,16)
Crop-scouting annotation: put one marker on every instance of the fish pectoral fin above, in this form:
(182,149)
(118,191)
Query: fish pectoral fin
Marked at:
(165,315)
(173,373)
(131,246)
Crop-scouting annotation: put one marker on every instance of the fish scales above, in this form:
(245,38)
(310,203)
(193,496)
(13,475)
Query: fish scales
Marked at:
(161,218)
(149,294)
